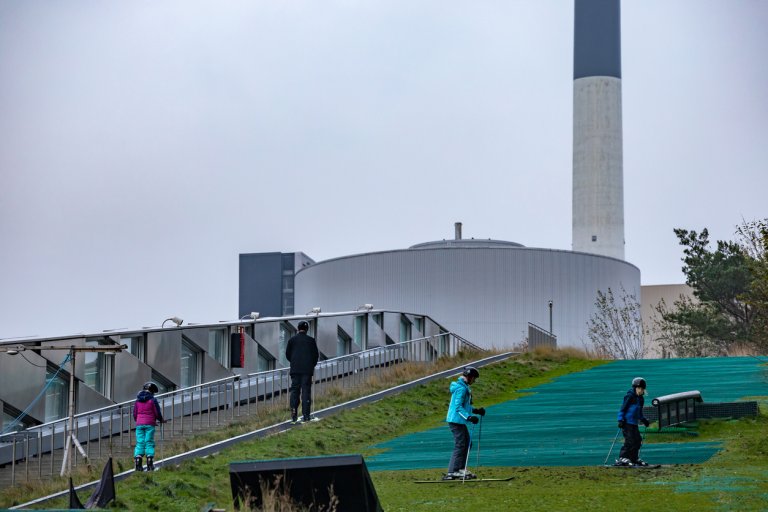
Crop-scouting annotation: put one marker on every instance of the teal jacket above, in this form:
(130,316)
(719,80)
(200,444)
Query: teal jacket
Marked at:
(461,402)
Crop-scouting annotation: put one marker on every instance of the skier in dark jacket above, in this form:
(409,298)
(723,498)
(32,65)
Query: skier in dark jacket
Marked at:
(146,414)
(630,414)
(303,355)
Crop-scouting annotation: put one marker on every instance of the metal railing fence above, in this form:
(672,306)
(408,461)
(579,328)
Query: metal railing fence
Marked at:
(37,452)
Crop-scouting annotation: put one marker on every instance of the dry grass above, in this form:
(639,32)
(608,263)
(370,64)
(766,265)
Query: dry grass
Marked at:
(274,497)
(560,354)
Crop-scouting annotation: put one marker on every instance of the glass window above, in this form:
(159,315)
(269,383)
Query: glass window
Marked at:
(405,328)
(98,368)
(419,321)
(379,319)
(163,384)
(7,421)
(10,422)
(137,346)
(264,362)
(286,331)
(288,262)
(361,332)
(288,303)
(57,395)
(343,343)
(218,346)
(444,342)
(190,365)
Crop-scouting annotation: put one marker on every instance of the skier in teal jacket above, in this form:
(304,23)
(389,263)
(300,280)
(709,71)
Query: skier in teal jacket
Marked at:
(460,414)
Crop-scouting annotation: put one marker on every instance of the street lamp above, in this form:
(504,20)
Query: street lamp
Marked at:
(550,316)
(178,321)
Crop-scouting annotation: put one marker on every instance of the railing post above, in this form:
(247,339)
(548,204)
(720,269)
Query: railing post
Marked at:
(26,458)
(248,398)
(40,454)
(88,430)
(53,439)
(232,417)
(218,404)
(200,406)
(13,462)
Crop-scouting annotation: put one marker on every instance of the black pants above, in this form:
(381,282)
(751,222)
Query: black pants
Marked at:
(461,445)
(632,442)
(301,383)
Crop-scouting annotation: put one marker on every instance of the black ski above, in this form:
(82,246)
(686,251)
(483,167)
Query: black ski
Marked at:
(649,466)
(468,480)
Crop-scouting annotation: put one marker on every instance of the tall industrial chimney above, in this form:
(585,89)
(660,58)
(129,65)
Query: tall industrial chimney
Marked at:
(598,175)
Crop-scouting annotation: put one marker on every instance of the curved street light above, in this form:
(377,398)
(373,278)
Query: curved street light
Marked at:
(178,321)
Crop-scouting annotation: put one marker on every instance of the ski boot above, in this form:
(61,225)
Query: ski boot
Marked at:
(138,467)
(150,463)
(463,474)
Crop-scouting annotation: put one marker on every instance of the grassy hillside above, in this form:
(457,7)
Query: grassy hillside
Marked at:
(733,480)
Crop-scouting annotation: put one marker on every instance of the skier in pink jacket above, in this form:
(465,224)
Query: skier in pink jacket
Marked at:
(147,414)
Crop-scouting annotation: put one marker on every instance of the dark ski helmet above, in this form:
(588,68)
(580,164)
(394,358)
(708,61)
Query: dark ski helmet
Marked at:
(151,387)
(638,382)
(303,326)
(470,371)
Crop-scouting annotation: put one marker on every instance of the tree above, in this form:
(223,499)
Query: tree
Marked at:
(616,328)
(683,338)
(754,240)
(730,285)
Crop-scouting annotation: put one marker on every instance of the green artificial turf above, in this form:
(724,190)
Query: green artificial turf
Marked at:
(734,479)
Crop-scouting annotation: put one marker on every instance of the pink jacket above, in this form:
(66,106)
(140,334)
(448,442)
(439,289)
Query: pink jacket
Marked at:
(146,410)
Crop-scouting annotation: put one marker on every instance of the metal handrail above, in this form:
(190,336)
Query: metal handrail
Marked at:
(229,394)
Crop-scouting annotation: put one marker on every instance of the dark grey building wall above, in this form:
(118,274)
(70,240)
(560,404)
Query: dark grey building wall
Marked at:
(597,38)
(261,284)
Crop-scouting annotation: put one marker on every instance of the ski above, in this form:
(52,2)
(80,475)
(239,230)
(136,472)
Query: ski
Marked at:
(649,466)
(468,480)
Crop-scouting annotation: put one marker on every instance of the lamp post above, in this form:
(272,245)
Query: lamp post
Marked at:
(71,438)
(178,321)
(550,316)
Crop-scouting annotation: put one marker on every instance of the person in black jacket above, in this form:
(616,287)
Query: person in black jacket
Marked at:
(302,354)
(630,415)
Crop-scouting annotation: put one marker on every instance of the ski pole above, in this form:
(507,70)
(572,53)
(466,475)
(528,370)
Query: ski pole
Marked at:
(469,450)
(609,451)
(642,442)
(479,437)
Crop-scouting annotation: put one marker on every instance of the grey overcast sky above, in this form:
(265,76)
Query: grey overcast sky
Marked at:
(145,144)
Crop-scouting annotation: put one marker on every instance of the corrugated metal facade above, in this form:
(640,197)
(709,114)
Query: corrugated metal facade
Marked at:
(486,294)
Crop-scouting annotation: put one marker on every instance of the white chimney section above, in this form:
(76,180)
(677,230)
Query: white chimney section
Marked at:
(598,173)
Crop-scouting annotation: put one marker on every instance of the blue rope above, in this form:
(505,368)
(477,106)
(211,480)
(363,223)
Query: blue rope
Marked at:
(12,425)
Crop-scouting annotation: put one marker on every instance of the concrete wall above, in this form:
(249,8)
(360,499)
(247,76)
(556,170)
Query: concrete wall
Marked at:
(652,295)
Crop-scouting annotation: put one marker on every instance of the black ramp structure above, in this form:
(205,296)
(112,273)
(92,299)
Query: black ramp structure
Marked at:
(309,481)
